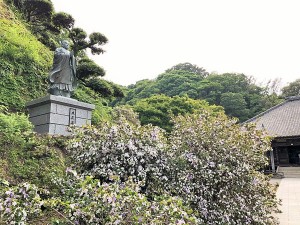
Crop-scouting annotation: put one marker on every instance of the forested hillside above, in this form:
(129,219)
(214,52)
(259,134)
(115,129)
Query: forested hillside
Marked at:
(240,96)
(24,62)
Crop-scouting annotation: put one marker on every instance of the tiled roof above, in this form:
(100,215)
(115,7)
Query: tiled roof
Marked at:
(282,120)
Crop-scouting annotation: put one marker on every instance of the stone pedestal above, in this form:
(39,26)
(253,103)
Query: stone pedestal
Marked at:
(53,114)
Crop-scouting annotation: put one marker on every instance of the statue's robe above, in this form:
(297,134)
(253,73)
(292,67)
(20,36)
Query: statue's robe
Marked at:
(63,73)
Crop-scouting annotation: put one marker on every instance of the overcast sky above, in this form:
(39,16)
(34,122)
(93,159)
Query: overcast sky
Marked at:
(255,37)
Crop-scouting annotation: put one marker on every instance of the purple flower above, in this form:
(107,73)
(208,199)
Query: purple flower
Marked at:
(181,221)
(190,176)
(7,210)
(9,193)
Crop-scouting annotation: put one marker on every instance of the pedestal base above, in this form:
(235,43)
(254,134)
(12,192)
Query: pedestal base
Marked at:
(53,114)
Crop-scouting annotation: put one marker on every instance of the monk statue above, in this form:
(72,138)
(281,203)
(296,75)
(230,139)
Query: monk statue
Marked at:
(62,76)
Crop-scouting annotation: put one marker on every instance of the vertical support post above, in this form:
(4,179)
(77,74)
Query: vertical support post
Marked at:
(272,161)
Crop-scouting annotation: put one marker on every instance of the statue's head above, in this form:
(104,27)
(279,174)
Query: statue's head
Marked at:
(65,44)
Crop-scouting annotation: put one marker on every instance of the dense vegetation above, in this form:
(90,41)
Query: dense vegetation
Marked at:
(166,153)
(206,171)
(292,89)
(237,93)
(159,110)
(24,62)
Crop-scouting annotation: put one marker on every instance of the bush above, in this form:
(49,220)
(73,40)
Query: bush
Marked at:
(87,68)
(100,86)
(26,156)
(124,150)
(209,161)
(215,169)
(18,204)
(86,201)
(13,125)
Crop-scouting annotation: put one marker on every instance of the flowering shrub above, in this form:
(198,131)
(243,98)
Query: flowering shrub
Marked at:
(215,169)
(211,162)
(18,204)
(207,172)
(124,150)
(86,201)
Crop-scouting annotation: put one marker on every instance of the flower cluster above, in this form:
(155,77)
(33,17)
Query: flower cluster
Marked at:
(86,201)
(19,203)
(216,166)
(124,150)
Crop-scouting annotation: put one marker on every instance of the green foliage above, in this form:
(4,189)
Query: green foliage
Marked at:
(292,89)
(82,42)
(37,160)
(87,68)
(26,156)
(20,47)
(37,10)
(179,82)
(118,90)
(142,89)
(102,111)
(63,20)
(100,86)
(24,64)
(41,20)
(217,89)
(105,88)
(188,67)
(13,125)
(235,105)
(159,109)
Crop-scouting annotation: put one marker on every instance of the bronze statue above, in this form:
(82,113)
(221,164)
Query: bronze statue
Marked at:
(62,76)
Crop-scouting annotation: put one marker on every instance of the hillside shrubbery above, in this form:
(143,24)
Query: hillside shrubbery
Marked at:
(209,161)
(25,156)
(205,172)
(87,201)
(24,64)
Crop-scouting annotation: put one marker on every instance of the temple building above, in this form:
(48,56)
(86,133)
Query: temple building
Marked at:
(282,122)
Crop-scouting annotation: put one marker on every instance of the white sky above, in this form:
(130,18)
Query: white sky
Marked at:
(255,37)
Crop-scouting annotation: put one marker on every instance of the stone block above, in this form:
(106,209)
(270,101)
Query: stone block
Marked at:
(53,114)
